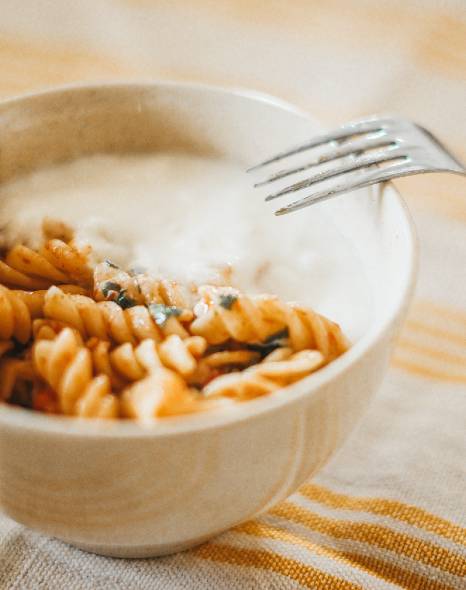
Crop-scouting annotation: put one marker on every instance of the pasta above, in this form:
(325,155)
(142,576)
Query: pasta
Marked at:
(19,308)
(15,316)
(163,393)
(55,263)
(66,365)
(14,373)
(265,377)
(225,313)
(97,341)
(108,319)
(125,363)
(139,287)
(5,346)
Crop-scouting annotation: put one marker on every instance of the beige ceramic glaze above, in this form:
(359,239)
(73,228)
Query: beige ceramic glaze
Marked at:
(128,490)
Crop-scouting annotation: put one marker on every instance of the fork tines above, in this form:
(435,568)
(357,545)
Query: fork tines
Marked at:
(366,145)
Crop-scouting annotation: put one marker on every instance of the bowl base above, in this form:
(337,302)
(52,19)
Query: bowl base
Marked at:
(137,551)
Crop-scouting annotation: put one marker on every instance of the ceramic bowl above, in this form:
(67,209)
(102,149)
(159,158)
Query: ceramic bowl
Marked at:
(123,489)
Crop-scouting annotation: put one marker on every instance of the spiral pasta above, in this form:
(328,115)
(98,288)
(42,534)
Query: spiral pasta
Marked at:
(107,320)
(127,363)
(97,401)
(19,308)
(5,346)
(140,287)
(34,300)
(162,393)
(12,372)
(104,342)
(66,365)
(56,262)
(16,321)
(45,329)
(273,373)
(224,314)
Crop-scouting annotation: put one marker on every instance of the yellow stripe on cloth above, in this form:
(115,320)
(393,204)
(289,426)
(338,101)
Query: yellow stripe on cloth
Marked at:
(427,372)
(366,563)
(306,575)
(261,530)
(417,326)
(28,65)
(433,343)
(406,579)
(443,48)
(439,355)
(398,510)
(377,535)
(450,313)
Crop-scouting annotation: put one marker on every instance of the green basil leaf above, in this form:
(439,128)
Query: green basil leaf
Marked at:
(227,300)
(124,301)
(109,287)
(161,312)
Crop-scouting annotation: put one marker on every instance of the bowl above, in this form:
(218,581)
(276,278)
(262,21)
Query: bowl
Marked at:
(130,490)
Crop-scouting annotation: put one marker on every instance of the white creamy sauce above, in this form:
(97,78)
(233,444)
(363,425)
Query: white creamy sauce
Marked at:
(188,217)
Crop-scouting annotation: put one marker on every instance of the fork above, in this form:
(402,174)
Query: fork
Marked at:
(363,152)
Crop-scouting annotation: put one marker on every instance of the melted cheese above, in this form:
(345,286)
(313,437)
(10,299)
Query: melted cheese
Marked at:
(190,218)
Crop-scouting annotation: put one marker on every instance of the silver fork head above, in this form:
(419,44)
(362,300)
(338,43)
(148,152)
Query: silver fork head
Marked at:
(361,153)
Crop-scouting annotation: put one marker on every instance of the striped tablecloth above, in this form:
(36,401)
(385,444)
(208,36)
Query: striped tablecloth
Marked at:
(388,511)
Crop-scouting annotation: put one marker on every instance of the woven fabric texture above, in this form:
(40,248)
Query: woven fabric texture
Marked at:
(390,510)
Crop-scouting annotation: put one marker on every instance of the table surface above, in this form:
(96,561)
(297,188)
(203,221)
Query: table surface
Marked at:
(390,510)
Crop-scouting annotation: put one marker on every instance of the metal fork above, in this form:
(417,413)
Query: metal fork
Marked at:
(364,152)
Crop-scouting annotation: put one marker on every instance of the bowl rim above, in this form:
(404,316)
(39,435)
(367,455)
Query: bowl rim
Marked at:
(17,417)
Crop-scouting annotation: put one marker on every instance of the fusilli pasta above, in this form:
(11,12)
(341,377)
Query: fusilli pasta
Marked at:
(16,321)
(140,287)
(107,320)
(99,341)
(266,376)
(13,372)
(56,262)
(162,393)
(66,365)
(224,314)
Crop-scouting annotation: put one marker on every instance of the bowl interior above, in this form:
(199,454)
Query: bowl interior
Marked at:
(53,127)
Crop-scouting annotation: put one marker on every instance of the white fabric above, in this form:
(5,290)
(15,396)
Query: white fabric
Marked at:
(339,60)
